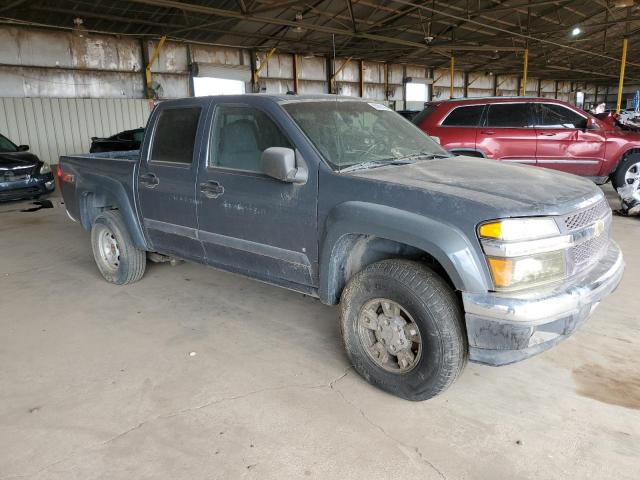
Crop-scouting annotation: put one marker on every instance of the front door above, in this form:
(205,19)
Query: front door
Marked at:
(564,143)
(167,181)
(507,133)
(249,222)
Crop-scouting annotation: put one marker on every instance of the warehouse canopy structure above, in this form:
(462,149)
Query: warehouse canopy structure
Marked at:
(560,39)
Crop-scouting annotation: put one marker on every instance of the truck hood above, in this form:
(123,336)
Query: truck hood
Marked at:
(510,188)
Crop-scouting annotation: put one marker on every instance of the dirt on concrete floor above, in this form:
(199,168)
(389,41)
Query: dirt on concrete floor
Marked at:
(195,373)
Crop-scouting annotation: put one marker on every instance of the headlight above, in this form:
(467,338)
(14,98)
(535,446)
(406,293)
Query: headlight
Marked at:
(524,252)
(514,273)
(513,229)
(45,168)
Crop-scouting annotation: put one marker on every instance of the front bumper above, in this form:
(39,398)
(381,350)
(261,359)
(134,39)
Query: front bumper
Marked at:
(507,328)
(33,187)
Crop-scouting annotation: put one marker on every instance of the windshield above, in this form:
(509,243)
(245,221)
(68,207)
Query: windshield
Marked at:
(7,145)
(352,132)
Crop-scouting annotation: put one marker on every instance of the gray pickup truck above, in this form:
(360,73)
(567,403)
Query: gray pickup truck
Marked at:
(434,259)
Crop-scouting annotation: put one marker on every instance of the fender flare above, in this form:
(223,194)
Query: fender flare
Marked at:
(444,242)
(111,192)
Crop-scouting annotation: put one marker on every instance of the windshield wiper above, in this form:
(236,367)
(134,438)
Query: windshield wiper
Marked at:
(423,155)
(375,163)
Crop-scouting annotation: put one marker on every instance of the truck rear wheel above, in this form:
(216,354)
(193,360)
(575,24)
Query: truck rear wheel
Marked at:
(402,329)
(118,259)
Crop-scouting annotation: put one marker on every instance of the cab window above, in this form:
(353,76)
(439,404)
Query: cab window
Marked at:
(239,136)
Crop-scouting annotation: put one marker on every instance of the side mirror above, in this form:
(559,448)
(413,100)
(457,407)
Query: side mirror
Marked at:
(280,163)
(592,124)
(23,148)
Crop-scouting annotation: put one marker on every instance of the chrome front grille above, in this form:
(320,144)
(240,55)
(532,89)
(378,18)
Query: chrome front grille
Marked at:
(590,229)
(586,217)
(589,251)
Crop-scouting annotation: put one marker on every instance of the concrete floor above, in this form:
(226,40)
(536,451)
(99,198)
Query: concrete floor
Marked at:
(97,381)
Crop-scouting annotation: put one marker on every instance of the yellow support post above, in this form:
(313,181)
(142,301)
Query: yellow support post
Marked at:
(256,74)
(154,57)
(525,71)
(453,63)
(296,74)
(623,64)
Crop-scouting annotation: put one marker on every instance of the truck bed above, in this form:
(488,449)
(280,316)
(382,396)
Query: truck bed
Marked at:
(113,172)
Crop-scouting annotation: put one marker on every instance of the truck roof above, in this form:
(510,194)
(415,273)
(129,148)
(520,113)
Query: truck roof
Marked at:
(284,98)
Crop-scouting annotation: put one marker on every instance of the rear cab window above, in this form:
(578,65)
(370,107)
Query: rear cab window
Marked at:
(175,135)
(464,116)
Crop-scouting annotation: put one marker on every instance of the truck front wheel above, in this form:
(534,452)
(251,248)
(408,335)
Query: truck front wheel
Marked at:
(118,259)
(402,329)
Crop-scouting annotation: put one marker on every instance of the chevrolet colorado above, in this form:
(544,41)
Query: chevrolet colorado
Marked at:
(434,259)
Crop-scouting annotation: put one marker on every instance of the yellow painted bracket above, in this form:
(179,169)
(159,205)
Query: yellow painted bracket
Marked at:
(335,74)
(154,57)
(256,74)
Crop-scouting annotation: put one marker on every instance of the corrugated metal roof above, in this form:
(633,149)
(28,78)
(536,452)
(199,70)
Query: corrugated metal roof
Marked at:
(479,34)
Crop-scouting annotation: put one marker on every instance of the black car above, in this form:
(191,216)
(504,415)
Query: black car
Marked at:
(126,140)
(408,114)
(22,174)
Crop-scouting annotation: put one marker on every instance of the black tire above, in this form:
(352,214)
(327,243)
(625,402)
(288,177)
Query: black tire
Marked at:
(617,177)
(434,308)
(129,262)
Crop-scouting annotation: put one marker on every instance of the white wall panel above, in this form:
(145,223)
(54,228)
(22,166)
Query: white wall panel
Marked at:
(60,126)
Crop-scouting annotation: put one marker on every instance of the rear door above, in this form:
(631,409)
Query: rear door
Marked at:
(249,222)
(507,133)
(167,180)
(564,143)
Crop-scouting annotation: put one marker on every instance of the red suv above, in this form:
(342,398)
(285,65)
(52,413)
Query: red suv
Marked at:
(535,131)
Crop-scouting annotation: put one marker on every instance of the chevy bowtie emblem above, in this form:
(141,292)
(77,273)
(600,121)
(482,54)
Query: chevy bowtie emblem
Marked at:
(598,227)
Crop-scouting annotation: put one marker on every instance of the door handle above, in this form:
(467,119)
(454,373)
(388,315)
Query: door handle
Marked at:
(149,180)
(487,132)
(211,189)
(547,134)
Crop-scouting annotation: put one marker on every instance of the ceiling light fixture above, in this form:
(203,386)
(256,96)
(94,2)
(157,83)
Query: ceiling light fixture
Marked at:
(576,31)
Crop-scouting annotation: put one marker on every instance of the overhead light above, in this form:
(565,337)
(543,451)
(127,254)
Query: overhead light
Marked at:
(298,28)
(78,27)
(623,3)
(576,31)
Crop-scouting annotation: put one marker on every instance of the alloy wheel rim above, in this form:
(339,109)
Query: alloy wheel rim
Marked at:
(389,335)
(632,176)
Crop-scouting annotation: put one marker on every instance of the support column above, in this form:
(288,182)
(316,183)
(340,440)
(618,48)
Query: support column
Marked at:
(296,74)
(451,73)
(525,71)
(623,64)
(361,78)
(465,93)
